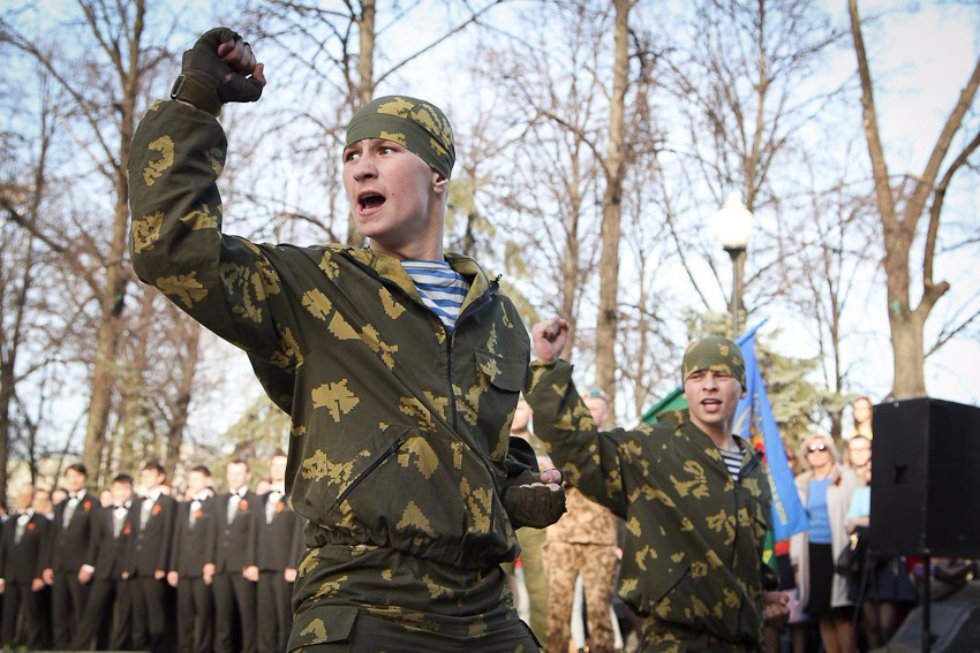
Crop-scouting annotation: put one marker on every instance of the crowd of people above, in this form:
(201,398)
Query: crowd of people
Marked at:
(151,570)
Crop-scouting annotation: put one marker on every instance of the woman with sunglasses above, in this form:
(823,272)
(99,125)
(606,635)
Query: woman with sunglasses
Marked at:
(825,489)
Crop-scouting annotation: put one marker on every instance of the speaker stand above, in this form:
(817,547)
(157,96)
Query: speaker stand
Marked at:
(927,637)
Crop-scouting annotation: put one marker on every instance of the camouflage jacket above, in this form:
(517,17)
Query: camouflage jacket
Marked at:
(694,539)
(399,428)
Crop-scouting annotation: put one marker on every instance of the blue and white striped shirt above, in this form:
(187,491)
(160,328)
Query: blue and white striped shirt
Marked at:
(441,288)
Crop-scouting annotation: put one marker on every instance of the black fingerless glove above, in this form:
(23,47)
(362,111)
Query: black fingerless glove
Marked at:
(206,81)
(536,506)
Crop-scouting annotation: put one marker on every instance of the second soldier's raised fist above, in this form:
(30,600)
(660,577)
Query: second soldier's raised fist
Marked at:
(221,67)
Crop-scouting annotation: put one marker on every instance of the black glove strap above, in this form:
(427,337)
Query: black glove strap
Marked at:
(200,95)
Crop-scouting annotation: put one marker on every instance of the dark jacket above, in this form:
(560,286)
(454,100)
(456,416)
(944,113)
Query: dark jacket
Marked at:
(693,553)
(71,545)
(280,541)
(110,553)
(22,562)
(189,551)
(149,544)
(232,545)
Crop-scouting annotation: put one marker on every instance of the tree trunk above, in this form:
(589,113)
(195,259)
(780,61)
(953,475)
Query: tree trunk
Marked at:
(175,434)
(907,323)
(365,89)
(608,319)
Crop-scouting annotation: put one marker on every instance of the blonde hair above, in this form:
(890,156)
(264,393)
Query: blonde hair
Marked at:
(813,437)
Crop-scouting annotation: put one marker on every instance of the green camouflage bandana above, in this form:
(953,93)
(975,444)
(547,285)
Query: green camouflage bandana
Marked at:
(716,354)
(416,125)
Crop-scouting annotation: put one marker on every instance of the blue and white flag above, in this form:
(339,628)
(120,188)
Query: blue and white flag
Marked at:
(753,419)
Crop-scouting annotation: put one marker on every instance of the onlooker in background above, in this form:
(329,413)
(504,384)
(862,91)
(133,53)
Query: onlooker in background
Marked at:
(43,503)
(825,489)
(582,542)
(152,520)
(189,554)
(110,598)
(233,534)
(278,551)
(531,539)
(861,409)
(73,535)
(24,537)
(888,590)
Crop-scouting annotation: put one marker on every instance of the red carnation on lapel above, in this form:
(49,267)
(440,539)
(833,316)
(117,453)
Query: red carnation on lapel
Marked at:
(198,514)
(243,505)
(280,504)
(127,529)
(156,510)
(31,526)
(86,506)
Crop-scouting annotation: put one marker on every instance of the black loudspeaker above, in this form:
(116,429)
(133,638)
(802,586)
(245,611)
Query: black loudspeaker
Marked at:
(925,479)
(955,624)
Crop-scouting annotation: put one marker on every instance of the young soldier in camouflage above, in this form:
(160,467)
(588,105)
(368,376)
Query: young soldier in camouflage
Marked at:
(399,456)
(694,496)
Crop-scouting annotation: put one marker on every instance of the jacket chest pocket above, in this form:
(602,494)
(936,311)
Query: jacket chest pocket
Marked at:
(499,382)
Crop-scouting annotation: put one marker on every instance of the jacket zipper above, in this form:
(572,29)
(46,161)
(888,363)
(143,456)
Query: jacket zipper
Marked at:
(388,453)
(753,461)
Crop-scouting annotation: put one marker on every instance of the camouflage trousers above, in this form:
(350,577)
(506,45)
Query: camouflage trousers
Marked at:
(355,631)
(597,565)
(659,637)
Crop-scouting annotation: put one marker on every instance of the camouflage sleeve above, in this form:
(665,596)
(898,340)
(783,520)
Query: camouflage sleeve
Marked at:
(228,284)
(591,460)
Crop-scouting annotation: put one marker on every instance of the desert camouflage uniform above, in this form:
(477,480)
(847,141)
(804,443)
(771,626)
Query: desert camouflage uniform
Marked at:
(398,454)
(692,561)
(582,542)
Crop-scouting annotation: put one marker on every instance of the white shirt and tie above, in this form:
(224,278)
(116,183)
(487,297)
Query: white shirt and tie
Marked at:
(74,498)
(148,502)
(234,498)
(272,503)
(22,520)
(119,512)
(196,503)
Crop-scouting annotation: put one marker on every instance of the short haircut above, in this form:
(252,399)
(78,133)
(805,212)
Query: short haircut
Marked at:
(123,478)
(201,469)
(279,453)
(78,468)
(155,466)
(239,461)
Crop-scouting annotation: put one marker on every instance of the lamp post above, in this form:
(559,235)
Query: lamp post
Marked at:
(732,225)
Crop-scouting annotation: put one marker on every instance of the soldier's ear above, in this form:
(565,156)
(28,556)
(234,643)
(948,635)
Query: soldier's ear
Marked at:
(440,183)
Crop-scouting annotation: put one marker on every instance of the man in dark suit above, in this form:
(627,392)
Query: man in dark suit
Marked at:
(71,543)
(280,545)
(110,598)
(189,554)
(152,520)
(24,538)
(233,563)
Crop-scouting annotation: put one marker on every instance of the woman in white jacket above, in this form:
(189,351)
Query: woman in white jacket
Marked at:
(825,489)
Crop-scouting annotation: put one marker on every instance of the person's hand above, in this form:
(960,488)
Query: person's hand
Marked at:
(535,499)
(48,576)
(289,574)
(775,608)
(251,573)
(37,584)
(159,574)
(208,573)
(124,574)
(173,578)
(221,67)
(3,586)
(84,575)
(549,338)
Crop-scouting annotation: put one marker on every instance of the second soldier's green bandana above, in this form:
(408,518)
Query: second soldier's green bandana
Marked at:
(416,125)
(714,353)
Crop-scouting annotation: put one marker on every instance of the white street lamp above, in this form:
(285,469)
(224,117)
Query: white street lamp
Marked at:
(732,225)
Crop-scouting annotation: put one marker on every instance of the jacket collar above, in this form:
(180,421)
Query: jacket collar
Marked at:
(390,269)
